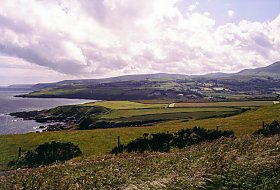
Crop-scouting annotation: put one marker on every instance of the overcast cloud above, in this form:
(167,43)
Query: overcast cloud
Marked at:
(95,38)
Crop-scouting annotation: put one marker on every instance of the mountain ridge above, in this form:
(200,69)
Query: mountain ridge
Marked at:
(272,70)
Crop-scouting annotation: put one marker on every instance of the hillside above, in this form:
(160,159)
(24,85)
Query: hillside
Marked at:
(242,163)
(101,141)
(109,80)
(113,114)
(245,162)
(261,83)
(243,123)
(126,90)
(273,69)
(270,70)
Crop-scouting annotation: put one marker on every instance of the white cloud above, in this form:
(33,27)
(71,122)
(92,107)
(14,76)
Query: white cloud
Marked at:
(192,7)
(94,38)
(230,13)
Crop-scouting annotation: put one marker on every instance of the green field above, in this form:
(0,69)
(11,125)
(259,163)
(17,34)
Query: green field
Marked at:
(137,112)
(125,112)
(101,141)
(124,105)
(174,116)
(228,104)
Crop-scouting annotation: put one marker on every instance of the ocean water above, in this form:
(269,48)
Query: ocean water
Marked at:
(9,104)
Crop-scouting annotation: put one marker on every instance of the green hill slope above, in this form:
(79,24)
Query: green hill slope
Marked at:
(243,123)
(242,163)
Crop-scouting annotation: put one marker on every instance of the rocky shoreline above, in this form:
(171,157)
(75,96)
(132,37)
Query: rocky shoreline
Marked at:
(50,123)
(63,117)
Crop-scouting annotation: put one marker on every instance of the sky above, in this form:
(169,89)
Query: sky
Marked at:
(53,40)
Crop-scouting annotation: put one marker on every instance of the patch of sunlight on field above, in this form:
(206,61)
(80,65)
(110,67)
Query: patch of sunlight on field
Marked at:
(245,123)
(125,105)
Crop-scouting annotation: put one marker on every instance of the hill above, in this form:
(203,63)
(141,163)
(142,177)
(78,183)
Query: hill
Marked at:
(21,86)
(270,70)
(18,87)
(217,75)
(273,69)
(261,83)
(187,89)
(109,80)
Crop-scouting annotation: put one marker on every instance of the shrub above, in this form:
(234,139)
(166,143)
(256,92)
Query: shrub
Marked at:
(138,145)
(164,141)
(161,142)
(48,153)
(270,129)
(158,142)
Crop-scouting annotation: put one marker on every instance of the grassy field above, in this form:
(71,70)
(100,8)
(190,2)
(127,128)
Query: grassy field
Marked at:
(124,112)
(137,112)
(101,141)
(174,116)
(241,163)
(125,105)
(227,104)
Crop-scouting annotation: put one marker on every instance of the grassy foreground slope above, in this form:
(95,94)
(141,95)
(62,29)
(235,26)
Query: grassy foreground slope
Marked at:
(100,141)
(241,163)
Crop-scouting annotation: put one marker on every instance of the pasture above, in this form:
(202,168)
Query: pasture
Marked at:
(137,112)
(227,104)
(124,105)
(101,141)
(125,112)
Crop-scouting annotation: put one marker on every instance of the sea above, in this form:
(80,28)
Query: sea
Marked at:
(9,103)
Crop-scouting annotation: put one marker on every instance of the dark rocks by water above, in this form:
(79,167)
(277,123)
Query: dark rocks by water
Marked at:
(54,123)
(58,127)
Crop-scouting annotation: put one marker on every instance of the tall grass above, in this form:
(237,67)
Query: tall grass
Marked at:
(242,163)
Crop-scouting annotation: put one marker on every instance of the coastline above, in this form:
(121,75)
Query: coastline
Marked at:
(10,102)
